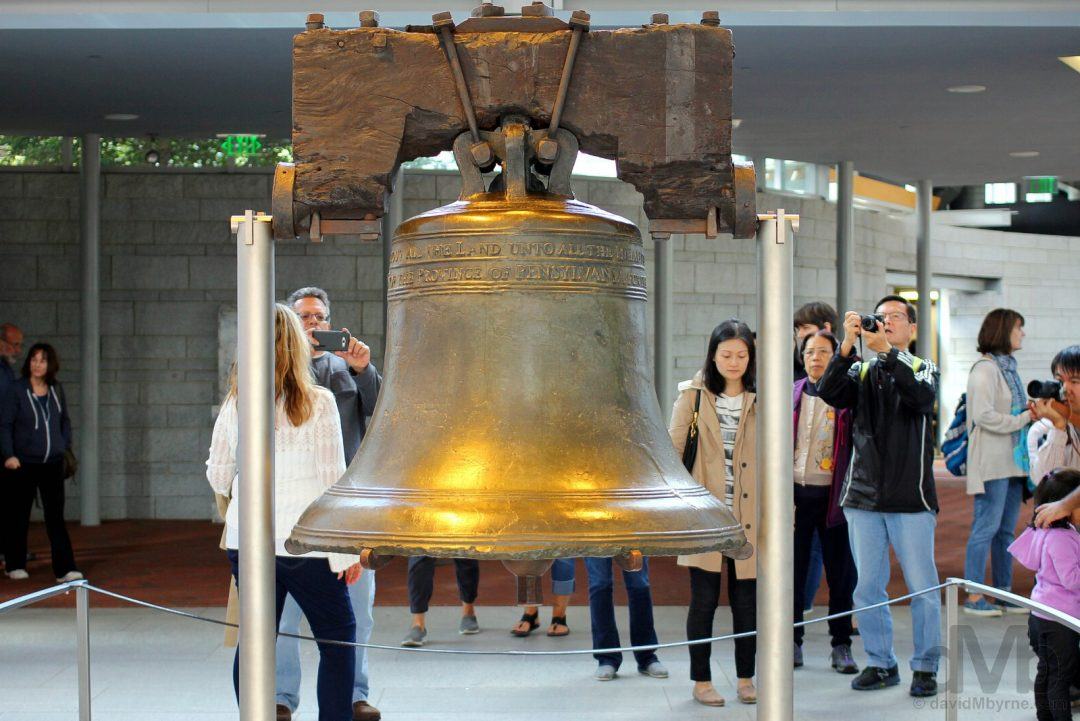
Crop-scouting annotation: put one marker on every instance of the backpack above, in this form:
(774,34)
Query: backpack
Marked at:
(955,445)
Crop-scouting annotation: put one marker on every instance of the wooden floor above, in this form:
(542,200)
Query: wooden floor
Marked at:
(179,564)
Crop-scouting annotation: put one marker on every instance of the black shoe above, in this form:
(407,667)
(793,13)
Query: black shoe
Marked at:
(842,660)
(798,656)
(923,683)
(875,677)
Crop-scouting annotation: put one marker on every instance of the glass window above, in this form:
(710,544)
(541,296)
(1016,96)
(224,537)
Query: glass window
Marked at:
(798,176)
(772,173)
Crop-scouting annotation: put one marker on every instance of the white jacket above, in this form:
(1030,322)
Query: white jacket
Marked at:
(990,426)
(308,459)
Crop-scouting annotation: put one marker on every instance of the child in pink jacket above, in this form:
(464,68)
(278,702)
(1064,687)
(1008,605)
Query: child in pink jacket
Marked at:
(1054,554)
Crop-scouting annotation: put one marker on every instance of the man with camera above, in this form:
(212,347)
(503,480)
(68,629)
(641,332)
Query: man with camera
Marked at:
(353,379)
(1059,403)
(889,496)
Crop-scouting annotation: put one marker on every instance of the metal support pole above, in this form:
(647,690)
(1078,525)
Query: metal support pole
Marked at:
(952,650)
(775,551)
(845,237)
(82,623)
(255,452)
(662,360)
(924,197)
(90,332)
(67,163)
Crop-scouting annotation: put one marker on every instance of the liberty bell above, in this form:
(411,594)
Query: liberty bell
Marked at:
(519,420)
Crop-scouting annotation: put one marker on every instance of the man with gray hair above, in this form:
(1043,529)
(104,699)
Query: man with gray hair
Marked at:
(353,379)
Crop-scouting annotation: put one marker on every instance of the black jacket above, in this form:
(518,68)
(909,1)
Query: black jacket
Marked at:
(893,395)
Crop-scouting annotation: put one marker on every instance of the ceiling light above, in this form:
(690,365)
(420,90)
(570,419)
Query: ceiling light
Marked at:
(1024,154)
(1073,61)
(736,122)
(966,89)
(121,116)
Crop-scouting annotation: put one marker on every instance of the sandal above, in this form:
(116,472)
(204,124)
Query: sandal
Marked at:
(558,621)
(532,619)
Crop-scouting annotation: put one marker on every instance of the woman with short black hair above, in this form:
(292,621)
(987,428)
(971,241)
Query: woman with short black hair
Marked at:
(35,432)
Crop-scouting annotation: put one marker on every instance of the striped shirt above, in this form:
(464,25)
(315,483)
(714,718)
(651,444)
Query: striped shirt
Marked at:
(728,410)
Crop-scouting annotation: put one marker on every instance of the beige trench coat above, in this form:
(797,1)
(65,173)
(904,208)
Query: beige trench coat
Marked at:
(709,466)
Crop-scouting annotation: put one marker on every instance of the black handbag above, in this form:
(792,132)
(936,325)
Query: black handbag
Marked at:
(689,454)
(71,464)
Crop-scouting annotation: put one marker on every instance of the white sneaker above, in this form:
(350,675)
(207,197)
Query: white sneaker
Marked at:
(18,574)
(70,576)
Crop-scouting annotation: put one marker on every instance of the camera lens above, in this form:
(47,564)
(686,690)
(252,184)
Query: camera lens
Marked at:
(1044,389)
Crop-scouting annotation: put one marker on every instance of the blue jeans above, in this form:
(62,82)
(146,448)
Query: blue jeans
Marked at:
(996,511)
(912,538)
(605,634)
(562,577)
(362,596)
(325,602)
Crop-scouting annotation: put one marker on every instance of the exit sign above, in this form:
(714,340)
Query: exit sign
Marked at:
(1042,185)
(241,146)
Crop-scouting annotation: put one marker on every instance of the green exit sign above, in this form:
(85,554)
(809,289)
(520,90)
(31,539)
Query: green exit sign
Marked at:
(241,146)
(1043,184)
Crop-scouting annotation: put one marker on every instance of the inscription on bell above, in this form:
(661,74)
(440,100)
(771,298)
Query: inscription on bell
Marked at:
(410,253)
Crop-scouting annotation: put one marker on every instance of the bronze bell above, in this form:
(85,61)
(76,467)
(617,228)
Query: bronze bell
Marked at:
(518,420)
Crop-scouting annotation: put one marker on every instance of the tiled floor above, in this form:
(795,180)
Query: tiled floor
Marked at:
(150,666)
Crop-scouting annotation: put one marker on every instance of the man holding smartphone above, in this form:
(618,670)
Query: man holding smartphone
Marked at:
(353,379)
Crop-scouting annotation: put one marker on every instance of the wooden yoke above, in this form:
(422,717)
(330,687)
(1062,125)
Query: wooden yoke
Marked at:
(657,99)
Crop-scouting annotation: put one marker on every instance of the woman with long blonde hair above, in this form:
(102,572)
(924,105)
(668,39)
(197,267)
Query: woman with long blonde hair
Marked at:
(308,459)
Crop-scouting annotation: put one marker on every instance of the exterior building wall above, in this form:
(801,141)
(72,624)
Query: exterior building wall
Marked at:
(169,280)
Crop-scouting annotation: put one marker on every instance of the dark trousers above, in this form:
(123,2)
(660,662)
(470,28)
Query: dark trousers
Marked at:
(324,599)
(704,599)
(1059,661)
(811,509)
(605,634)
(21,486)
(421,581)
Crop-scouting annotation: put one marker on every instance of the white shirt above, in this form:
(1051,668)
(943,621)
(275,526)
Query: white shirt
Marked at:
(308,459)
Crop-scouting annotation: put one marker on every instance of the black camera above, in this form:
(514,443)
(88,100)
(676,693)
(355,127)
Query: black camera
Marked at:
(869,322)
(1045,389)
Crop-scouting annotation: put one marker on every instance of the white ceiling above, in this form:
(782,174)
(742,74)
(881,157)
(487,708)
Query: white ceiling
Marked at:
(814,80)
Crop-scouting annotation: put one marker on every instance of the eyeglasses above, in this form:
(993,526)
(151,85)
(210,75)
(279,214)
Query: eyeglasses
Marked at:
(817,352)
(317,317)
(897,316)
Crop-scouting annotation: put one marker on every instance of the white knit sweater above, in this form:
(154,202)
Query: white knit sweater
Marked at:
(308,459)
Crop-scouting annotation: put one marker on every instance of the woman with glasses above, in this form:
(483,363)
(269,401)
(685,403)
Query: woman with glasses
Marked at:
(822,451)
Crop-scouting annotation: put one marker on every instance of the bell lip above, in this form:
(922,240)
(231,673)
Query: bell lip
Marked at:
(727,541)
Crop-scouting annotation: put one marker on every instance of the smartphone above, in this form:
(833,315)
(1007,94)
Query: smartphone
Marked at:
(331,340)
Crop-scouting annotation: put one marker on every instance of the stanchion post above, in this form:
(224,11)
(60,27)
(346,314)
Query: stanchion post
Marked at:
(952,649)
(82,643)
(255,453)
(775,471)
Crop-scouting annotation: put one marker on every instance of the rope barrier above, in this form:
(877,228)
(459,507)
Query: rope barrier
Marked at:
(62,588)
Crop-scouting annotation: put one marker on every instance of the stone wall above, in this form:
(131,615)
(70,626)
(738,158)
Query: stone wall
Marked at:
(168,275)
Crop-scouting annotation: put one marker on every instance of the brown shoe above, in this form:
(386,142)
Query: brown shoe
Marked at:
(363,711)
(284,713)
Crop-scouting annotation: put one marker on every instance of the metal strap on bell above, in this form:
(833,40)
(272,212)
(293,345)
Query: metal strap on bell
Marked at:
(518,419)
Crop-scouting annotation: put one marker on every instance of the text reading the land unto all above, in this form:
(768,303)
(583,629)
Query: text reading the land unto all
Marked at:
(546,249)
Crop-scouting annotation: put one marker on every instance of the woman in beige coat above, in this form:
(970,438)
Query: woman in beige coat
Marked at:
(725,464)
(997,456)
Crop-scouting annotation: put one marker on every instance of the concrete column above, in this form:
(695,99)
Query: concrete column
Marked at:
(775,465)
(90,331)
(923,275)
(845,237)
(662,310)
(66,151)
